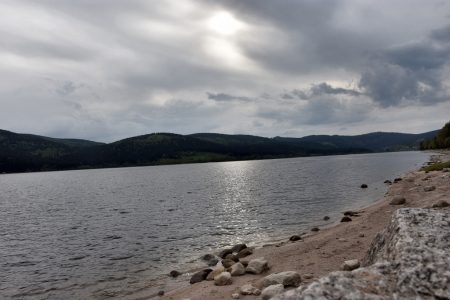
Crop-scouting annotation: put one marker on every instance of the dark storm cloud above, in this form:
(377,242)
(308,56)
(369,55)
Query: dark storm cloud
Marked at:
(412,72)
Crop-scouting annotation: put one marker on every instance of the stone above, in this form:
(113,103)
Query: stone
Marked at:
(398,200)
(315,229)
(287,278)
(326,218)
(364,186)
(215,271)
(161,293)
(271,291)
(346,219)
(361,235)
(225,252)
(308,276)
(408,260)
(351,213)
(174,273)
(350,265)
(388,182)
(248,289)
(210,259)
(429,188)
(228,263)
(237,269)
(223,278)
(235,296)
(295,238)
(200,276)
(232,257)
(244,252)
(398,179)
(440,204)
(257,266)
(237,248)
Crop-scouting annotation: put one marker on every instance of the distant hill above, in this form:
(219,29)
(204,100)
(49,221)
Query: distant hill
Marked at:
(440,141)
(26,152)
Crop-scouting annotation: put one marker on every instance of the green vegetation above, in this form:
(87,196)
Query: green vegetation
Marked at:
(25,152)
(440,141)
(437,166)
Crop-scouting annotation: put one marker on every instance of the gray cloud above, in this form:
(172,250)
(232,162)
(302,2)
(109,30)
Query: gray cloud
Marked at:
(226,97)
(91,69)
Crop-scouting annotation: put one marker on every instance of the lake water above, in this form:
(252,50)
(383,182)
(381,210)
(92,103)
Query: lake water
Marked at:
(117,232)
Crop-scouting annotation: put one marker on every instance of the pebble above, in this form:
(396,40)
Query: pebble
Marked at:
(315,229)
(350,265)
(235,296)
(295,238)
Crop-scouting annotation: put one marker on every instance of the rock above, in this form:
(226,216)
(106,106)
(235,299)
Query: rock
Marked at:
(350,265)
(271,291)
(346,219)
(215,271)
(326,218)
(257,266)
(232,257)
(287,278)
(174,273)
(225,252)
(351,213)
(235,296)
(244,252)
(440,203)
(248,289)
(244,262)
(429,188)
(398,200)
(364,186)
(388,182)
(408,260)
(398,179)
(237,269)
(361,234)
(161,293)
(210,259)
(308,276)
(315,229)
(228,263)
(200,276)
(295,238)
(237,248)
(223,278)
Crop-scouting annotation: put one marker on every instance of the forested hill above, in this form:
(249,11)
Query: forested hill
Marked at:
(26,152)
(440,141)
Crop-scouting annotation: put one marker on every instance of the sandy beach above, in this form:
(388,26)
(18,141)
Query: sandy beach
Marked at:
(319,253)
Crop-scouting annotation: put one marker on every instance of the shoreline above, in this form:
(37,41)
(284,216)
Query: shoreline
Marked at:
(319,253)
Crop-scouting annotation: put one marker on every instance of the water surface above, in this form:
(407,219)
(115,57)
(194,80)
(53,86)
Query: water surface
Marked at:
(117,232)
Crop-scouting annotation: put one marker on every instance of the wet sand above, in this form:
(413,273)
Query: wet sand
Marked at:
(319,253)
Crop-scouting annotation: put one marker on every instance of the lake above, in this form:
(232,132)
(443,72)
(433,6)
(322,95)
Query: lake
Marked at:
(116,233)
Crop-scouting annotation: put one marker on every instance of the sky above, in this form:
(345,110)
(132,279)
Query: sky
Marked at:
(109,69)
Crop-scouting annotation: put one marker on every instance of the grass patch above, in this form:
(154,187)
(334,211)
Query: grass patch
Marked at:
(437,166)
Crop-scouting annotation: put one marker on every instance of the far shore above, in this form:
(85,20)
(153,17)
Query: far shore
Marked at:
(319,253)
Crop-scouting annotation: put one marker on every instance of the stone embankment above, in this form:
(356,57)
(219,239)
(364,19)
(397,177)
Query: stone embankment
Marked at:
(408,260)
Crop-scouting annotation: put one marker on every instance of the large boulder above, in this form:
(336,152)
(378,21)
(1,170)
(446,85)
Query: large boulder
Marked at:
(245,252)
(408,260)
(287,278)
(257,266)
(225,252)
(237,248)
(228,263)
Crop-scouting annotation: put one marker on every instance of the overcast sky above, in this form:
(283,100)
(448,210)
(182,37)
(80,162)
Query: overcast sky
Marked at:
(105,70)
